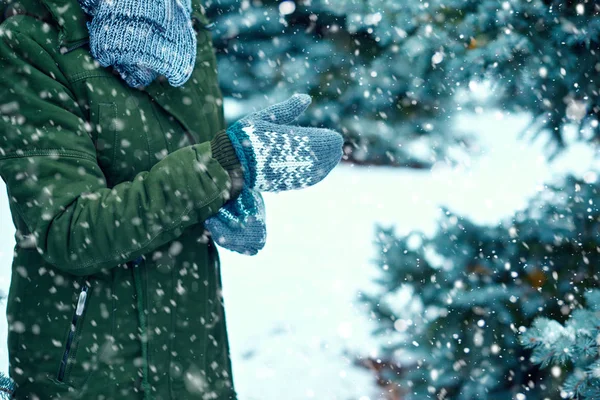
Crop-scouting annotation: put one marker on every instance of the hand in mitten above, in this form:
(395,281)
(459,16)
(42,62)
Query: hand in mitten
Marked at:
(240,224)
(277,156)
(239,229)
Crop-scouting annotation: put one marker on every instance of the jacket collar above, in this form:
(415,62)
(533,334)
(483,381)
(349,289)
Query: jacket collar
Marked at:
(72,20)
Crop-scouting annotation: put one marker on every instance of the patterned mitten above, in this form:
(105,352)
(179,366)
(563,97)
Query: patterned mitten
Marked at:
(277,156)
(142,39)
(239,228)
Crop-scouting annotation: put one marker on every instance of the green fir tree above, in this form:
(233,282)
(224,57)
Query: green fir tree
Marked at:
(575,345)
(474,288)
(391,75)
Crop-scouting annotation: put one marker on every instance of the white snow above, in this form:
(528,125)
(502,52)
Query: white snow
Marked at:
(292,316)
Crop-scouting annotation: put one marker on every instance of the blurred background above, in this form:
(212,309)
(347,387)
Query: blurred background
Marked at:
(454,253)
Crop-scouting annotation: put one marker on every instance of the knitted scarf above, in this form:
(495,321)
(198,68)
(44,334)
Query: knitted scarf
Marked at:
(143,39)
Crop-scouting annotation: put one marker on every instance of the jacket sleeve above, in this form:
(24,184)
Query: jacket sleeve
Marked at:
(48,162)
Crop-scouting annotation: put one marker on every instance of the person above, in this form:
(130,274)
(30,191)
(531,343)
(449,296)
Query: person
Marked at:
(122,176)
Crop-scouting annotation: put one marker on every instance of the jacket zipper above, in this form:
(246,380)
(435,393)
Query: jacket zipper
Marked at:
(78,313)
(144,385)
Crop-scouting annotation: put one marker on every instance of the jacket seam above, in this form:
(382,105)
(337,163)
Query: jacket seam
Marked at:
(49,152)
(79,76)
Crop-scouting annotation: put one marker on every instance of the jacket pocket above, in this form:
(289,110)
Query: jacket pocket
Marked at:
(73,336)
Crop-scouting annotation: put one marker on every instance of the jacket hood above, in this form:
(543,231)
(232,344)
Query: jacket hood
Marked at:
(68,15)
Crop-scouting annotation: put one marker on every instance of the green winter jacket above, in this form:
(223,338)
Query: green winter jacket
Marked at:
(116,290)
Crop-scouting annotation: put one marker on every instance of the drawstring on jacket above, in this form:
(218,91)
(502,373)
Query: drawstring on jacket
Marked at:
(143,324)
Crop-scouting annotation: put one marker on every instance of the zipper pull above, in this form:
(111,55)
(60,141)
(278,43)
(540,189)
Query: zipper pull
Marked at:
(81,301)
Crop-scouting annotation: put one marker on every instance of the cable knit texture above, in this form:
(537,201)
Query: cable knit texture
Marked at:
(143,39)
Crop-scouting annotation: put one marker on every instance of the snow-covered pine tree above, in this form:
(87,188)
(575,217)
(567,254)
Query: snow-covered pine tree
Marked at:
(540,55)
(574,344)
(473,288)
(387,72)
(386,95)
(476,286)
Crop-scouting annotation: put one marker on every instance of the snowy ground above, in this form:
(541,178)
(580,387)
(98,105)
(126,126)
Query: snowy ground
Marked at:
(291,309)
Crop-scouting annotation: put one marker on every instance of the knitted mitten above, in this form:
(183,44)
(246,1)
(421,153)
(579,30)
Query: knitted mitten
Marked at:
(274,156)
(240,224)
(143,39)
(238,228)
(277,156)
